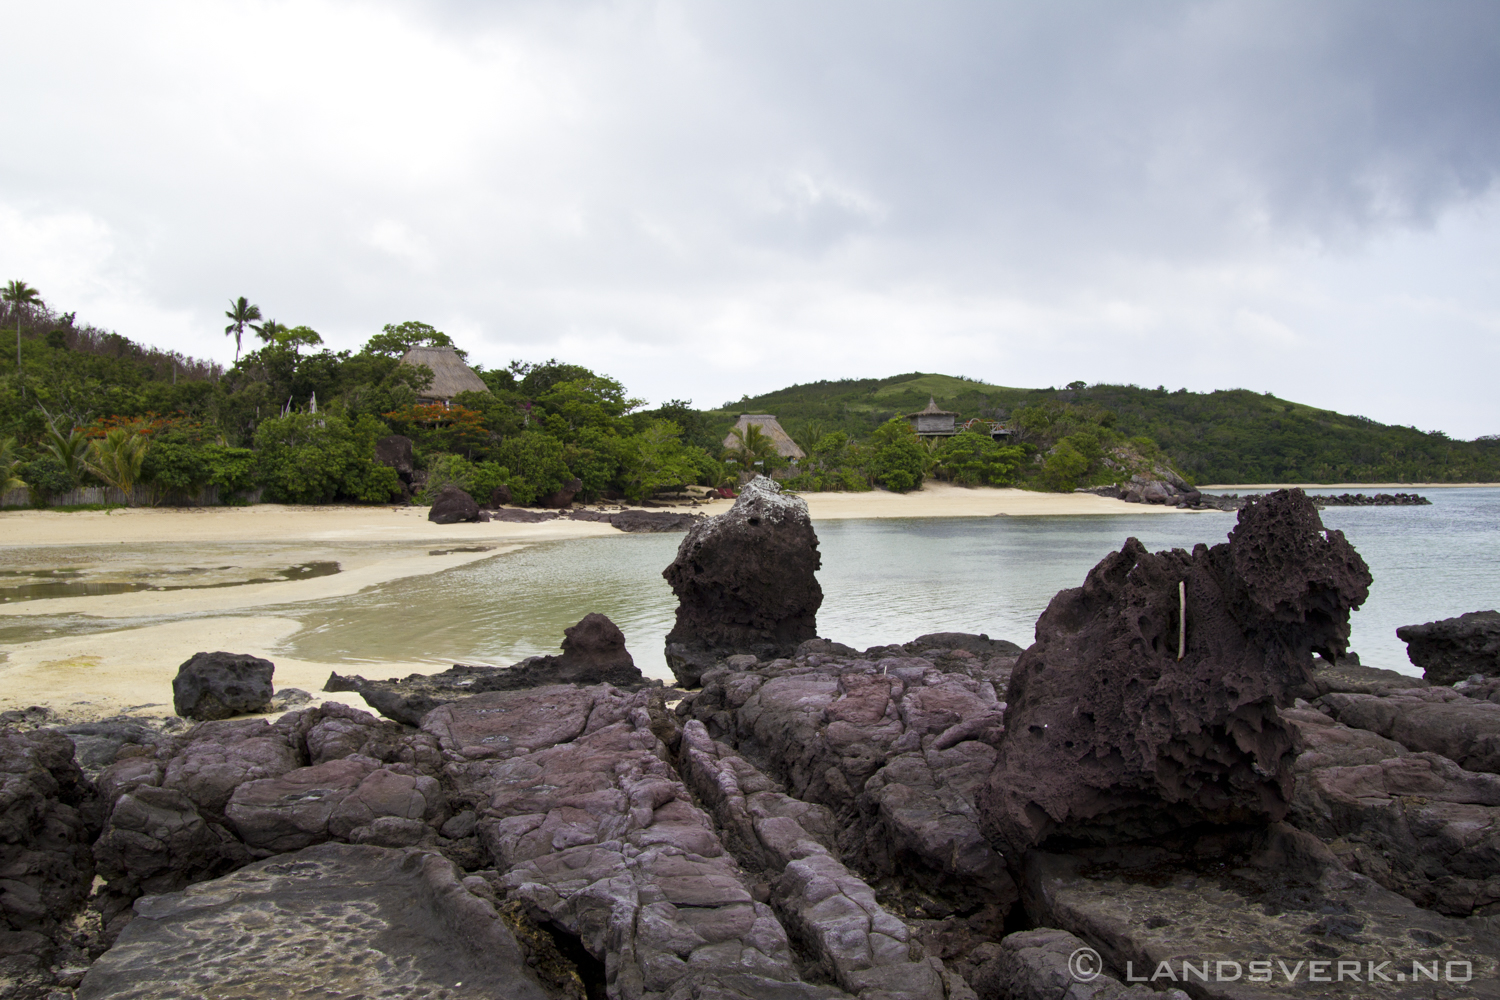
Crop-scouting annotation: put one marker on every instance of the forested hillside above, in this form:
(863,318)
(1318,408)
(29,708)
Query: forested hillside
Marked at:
(1228,436)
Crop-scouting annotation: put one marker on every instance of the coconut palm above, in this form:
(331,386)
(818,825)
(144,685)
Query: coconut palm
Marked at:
(9,462)
(20,296)
(117,459)
(70,450)
(241,314)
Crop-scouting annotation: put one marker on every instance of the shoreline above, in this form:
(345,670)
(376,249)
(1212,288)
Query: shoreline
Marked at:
(1350,486)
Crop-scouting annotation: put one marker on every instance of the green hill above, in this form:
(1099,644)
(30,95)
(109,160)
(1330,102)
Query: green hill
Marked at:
(1227,436)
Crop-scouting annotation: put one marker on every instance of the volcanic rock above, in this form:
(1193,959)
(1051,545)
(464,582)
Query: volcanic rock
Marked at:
(1348,675)
(394,451)
(1440,720)
(593,652)
(452,506)
(744,582)
(331,920)
(1035,965)
(1169,914)
(894,746)
(47,819)
(501,495)
(219,685)
(564,496)
(1454,649)
(653,520)
(1115,732)
(1416,823)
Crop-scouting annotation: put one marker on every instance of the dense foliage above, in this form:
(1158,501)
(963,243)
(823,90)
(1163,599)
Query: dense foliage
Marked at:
(300,423)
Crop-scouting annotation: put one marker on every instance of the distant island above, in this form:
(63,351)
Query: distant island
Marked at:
(290,421)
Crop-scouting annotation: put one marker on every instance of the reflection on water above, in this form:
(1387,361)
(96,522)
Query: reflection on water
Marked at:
(891,580)
(44,583)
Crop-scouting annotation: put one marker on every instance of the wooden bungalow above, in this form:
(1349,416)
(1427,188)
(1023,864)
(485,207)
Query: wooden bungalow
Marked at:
(450,376)
(785,446)
(933,422)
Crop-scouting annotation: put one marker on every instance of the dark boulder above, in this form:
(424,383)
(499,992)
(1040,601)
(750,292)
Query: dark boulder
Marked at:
(564,496)
(47,819)
(1116,733)
(593,653)
(452,506)
(745,582)
(1455,649)
(395,452)
(219,685)
(500,495)
(651,521)
(515,515)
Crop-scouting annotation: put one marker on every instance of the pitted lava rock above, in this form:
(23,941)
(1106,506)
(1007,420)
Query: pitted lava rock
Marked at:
(1111,737)
(745,583)
(220,685)
(1455,649)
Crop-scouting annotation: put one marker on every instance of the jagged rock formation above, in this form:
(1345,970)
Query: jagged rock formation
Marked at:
(894,746)
(1348,675)
(332,920)
(1116,730)
(222,685)
(745,583)
(593,653)
(453,506)
(1454,649)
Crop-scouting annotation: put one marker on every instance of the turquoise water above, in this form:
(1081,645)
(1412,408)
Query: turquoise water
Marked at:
(889,581)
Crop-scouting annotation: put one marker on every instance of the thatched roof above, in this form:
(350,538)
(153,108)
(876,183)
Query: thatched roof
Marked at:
(450,376)
(932,410)
(785,446)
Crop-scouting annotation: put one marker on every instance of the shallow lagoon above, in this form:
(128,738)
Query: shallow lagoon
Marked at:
(885,580)
(891,580)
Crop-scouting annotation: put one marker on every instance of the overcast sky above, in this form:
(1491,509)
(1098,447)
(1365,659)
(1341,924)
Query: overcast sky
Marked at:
(712,199)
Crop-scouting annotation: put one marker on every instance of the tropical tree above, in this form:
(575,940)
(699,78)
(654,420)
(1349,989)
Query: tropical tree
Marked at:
(268,330)
(9,463)
(751,445)
(117,458)
(241,314)
(398,338)
(20,296)
(69,451)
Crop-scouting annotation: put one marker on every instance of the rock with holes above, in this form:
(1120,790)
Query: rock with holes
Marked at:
(745,583)
(331,920)
(220,685)
(1455,649)
(1117,730)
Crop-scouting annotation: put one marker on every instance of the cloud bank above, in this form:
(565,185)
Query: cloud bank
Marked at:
(709,200)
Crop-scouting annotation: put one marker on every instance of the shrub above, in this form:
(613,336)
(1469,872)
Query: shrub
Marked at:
(975,459)
(317,458)
(899,460)
(47,478)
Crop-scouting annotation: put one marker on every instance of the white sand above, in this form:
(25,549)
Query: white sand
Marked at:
(131,670)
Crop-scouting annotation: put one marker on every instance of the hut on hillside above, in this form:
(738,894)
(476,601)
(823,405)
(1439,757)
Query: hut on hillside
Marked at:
(785,446)
(450,376)
(933,422)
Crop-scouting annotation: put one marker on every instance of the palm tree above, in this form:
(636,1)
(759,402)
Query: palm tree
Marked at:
(751,445)
(70,451)
(241,314)
(20,295)
(117,459)
(8,464)
(269,330)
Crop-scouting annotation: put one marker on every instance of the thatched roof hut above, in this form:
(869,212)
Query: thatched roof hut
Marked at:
(785,446)
(933,422)
(450,376)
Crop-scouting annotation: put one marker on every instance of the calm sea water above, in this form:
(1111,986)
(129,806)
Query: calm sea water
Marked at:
(892,580)
(883,581)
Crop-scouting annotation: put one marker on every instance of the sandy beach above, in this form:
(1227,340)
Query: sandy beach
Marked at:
(87,674)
